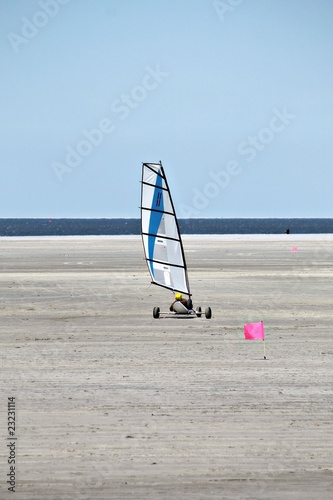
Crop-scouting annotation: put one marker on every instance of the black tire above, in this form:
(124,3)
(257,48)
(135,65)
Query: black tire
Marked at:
(198,312)
(208,312)
(156,312)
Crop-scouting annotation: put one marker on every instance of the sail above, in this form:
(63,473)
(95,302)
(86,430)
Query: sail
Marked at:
(160,232)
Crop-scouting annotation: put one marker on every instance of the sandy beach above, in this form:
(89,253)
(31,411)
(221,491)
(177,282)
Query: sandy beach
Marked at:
(113,404)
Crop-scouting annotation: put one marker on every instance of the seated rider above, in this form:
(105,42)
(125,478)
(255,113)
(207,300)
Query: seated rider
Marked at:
(179,298)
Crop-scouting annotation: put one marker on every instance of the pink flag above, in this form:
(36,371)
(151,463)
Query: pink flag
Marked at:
(254,331)
(294,249)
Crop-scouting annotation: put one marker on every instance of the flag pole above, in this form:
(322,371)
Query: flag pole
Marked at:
(264,340)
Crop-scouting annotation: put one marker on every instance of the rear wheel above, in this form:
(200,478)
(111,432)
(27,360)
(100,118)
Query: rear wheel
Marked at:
(156,312)
(208,312)
(198,312)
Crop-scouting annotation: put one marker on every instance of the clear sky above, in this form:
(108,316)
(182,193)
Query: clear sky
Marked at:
(235,97)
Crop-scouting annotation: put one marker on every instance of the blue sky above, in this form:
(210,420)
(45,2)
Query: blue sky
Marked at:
(235,97)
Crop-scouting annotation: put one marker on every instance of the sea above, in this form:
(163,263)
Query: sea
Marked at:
(112,226)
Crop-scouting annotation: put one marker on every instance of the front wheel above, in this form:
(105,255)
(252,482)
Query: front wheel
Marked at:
(156,312)
(208,312)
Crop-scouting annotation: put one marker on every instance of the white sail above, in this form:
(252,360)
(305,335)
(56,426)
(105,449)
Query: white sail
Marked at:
(160,232)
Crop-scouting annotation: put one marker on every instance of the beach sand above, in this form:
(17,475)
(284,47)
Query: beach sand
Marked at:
(113,404)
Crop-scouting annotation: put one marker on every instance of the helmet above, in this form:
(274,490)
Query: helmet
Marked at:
(178,296)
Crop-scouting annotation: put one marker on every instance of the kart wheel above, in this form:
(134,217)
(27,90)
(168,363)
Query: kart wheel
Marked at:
(156,312)
(198,312)
(208,312)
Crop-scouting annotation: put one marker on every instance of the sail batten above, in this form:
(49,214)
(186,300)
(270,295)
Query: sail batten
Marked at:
(155,210)
(160,231)
(153,185)
(165,263)
(159,235)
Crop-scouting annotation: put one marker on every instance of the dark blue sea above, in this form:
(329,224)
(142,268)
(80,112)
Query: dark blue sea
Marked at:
(92,227)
